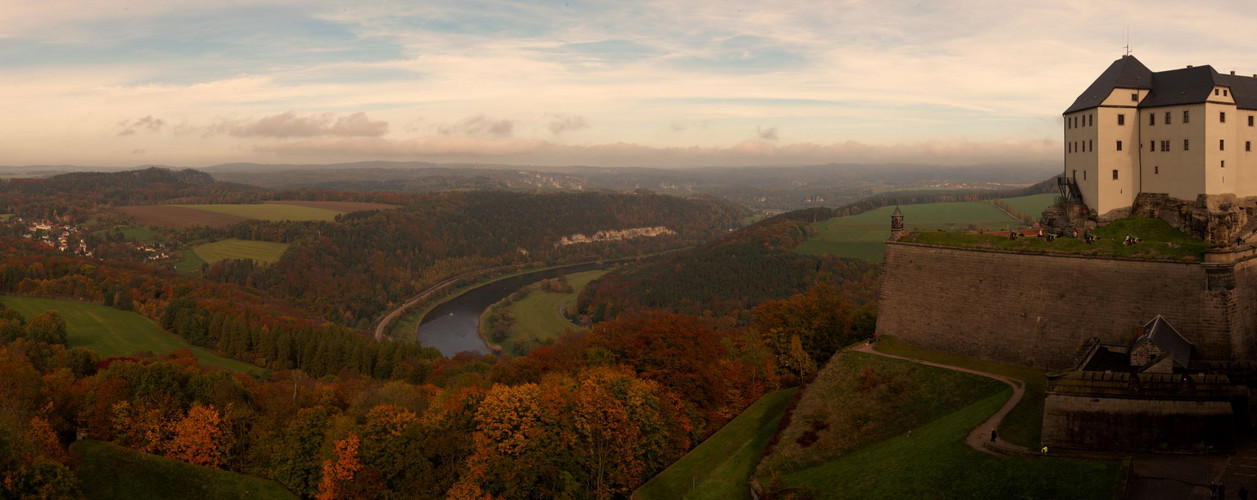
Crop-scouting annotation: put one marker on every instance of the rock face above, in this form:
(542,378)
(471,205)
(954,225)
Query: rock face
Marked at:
(1223,220)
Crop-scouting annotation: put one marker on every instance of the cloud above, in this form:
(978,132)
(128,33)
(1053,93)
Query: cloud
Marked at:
(479,126)
(767,134)
(146,124)
(290,124)
(564,123)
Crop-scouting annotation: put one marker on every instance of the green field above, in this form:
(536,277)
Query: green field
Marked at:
(107,471)
(1160,241)
(260,251)
(863,235)
(139,233)
(189,263)
(721,466)
(111,332)
(269,211)
(935,462)
(538,319)
(1024,423)
(1033,204)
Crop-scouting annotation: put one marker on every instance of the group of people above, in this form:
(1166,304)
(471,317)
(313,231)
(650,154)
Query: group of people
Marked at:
(1218,491)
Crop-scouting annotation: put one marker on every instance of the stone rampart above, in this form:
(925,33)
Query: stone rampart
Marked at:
(1035,310)
(1086,422)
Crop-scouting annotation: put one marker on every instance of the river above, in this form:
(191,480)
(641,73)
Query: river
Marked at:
(453,326)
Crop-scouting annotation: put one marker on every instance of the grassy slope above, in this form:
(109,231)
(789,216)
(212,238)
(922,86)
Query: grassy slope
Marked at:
(111,332)
(139,233)
(1024,423)
(1157,236)
(269,211)
(537,316)
(189,263)
(936,463)
(231,248)
(863,235)
(721,466)
(108,471)
(863,399)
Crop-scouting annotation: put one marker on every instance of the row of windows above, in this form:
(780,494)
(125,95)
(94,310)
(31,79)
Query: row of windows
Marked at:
(1080,121)
(1152,118)
(1084,146)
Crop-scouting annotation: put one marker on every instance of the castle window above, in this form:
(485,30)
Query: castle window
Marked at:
(1167,117)
(1165,145)
(1114,174)
(1222,116)
(1222,164)
(1248,145)
(1185,145)
(1250,120)
(1134,97)
(1224,91)
(1091,120)
(1152,118)
(1119,145)
(1156,170)
(1221,144)
(1084,175)
(1152,146)
(1091,145)
(1215,91)
(1185,115)
(1121,119)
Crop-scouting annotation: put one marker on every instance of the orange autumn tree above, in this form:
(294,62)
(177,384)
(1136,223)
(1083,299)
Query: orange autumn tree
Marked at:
(199,437)
(339,471)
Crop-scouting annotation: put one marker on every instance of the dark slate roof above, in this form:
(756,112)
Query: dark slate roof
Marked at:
(897,212)
(1159,332)
(1167,88)
(1124,73)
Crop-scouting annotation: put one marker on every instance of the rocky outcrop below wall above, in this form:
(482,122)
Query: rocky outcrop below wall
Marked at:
(1218,219)
(1036,310)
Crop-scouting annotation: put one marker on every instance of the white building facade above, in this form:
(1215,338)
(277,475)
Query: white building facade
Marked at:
(1182,132)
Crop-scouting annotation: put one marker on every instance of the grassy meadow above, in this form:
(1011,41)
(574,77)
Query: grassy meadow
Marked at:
(538,319)
(140,233)
(1160,241)
(863,235)
(268,211)
(112,332)
(859,412)
(721,466)
(260,251)
(107,471)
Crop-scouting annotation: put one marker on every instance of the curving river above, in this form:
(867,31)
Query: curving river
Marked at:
(453,326)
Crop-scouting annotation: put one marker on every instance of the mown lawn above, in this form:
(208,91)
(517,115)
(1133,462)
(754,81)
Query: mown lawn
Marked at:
(1160,241)
(935,462)
(1024,423)
(260,251)
(112,332)
(721,467)
(269,211)
(537,316)
(107,472)
(863,235)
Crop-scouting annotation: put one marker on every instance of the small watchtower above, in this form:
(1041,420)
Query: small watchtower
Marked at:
(896,224)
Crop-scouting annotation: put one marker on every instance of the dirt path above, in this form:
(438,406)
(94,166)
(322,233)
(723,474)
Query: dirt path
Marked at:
(980,437)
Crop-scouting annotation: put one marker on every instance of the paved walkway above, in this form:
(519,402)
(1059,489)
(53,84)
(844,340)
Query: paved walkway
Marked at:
(980,438)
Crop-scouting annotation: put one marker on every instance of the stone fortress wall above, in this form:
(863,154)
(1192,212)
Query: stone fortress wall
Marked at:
(1036,310)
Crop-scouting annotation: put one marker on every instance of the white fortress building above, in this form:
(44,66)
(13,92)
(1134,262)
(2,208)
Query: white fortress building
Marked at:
(1183,132)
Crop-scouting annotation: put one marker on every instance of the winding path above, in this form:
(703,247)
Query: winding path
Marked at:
(979,437)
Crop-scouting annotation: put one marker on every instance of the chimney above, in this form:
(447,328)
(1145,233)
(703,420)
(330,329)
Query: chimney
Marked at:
(1232,72)
(1189,65)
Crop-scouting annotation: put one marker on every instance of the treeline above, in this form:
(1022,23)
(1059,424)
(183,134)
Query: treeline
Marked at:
(355,269)
(731,275)
(591,416)
(229,319)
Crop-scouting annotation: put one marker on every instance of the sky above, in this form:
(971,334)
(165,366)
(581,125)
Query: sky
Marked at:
(618,83)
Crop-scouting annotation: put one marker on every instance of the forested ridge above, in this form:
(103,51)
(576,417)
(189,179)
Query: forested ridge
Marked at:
(341,416)
(731,275)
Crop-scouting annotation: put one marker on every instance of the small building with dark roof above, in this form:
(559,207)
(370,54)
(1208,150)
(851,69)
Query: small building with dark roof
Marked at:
(1184,132)
(1161,348)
